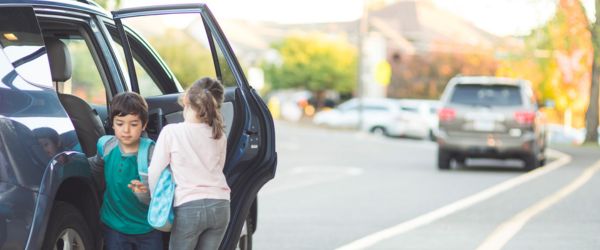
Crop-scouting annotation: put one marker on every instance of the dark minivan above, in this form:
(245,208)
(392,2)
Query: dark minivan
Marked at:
(61,62)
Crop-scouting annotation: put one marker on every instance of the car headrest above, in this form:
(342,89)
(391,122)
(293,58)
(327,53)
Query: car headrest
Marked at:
(59,58)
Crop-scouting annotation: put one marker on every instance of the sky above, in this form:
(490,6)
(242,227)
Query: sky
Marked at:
(500,17)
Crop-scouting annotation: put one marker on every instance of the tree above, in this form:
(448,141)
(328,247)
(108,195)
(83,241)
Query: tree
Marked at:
(556,58)
(313,62)
(591,116)
(425,76)
(189,64)
(108,4)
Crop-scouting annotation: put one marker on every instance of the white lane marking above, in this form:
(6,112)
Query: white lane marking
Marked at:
(304,174)
(459,205)
(507,230)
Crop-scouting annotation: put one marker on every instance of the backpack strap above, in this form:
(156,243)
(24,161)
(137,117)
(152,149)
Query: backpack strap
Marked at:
(102,143)
(143,156)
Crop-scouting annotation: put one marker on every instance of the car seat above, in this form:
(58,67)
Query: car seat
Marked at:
(86,121)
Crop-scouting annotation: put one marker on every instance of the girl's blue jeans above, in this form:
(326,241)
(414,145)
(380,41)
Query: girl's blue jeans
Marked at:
(199,224)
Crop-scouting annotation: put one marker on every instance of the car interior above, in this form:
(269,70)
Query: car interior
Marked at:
(65,67)
(90,120)
(88,126)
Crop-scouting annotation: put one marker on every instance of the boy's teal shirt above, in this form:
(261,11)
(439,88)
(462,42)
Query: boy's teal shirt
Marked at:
(121,209)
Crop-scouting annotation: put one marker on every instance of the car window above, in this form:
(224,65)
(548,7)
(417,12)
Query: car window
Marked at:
(148,86)
(227,77)
(348,105)
(486,95)
(168,34)
(23,47)
(375,108)
(40,128)
(86,81)
(433,110)
(409,109)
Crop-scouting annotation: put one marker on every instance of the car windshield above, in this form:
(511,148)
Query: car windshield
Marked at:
(486,95)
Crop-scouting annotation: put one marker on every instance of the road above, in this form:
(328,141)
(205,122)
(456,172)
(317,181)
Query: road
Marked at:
(349,190)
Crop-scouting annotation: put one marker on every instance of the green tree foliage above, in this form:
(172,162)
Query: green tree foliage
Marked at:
(184,55)
(313,62)
(85,79)
(109,4)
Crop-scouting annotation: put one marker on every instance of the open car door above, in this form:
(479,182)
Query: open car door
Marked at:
(251,156)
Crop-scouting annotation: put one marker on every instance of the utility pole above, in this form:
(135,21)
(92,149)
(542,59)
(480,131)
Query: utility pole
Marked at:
(363,28)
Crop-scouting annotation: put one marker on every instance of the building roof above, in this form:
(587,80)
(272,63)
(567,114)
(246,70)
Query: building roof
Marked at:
(430,28)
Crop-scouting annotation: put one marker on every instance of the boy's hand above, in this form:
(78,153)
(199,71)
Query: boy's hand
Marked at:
(137,186)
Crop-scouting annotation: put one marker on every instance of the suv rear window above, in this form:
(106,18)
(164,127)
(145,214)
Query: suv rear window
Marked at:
(486,95)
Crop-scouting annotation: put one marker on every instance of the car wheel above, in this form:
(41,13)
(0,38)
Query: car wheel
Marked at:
(531,162)
(542,161)
(443,159)
(245,242)
(380,131)
(67,229)
(461,161)
(432,136)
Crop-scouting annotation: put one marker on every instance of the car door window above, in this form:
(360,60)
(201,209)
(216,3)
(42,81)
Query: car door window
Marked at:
(168,37)
(86,81)
(28,103)
(147,80)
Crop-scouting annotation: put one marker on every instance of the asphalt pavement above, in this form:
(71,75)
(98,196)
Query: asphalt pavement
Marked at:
(342,189)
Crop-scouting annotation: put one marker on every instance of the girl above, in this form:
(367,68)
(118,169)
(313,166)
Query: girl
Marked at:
(195,150)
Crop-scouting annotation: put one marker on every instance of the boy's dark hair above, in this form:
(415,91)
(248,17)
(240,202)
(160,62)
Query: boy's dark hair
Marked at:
(129,103)
(46,132)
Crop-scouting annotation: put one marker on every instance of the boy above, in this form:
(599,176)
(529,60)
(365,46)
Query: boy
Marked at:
(123,212)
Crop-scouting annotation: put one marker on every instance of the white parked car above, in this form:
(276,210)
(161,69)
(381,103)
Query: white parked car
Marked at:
(561,134)
(391,117)
(425,113)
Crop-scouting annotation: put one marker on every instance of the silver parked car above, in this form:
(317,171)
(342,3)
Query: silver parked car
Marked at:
(490,117)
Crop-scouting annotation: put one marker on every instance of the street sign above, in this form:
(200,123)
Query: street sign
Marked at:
(383,73)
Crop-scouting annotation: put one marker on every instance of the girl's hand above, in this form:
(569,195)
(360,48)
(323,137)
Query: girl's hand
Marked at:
(137,186)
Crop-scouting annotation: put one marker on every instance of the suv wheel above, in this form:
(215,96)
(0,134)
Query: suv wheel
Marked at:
(531,161)
(461,161)
(432,136)
(67,229)
(542,161)
(443,159)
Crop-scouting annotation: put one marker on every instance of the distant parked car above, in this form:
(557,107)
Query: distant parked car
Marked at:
(490,117)
(390,117)
(426,116)
(560,134)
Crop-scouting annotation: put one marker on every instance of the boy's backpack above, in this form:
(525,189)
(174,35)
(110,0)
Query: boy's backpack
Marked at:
(160,211)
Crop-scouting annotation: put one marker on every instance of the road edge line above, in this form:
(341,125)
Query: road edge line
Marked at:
(372,239)
(508,229)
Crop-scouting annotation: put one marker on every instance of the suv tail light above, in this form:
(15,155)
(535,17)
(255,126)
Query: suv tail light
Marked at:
(446,114)
(525,117)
